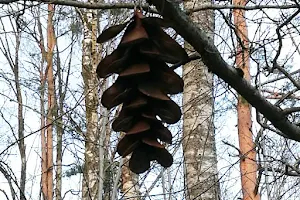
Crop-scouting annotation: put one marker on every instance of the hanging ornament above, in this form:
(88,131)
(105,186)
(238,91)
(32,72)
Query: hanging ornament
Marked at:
(143,87)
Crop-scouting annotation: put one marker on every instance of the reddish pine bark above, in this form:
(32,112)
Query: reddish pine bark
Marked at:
(248,165)
(47,127)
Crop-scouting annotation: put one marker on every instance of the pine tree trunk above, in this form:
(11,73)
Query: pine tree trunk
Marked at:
(42,109)
(43,139)
(90,184)
(47,125)
(248,166)
(51,101)
(129,188)
(198,131)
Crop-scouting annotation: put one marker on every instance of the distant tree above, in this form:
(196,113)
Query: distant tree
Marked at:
(12,58)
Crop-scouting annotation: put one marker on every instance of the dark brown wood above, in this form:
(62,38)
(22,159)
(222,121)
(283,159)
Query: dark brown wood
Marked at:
(126,145)
(114,63)
(143,87)
(115,95)
(111,32)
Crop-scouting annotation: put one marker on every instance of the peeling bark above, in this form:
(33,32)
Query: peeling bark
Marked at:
(51,102)
(46,76)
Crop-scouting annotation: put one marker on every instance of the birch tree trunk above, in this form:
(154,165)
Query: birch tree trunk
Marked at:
(90,183)
(248,165)
(199,150)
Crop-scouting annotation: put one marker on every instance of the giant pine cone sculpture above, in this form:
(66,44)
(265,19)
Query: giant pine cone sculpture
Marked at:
(143,86)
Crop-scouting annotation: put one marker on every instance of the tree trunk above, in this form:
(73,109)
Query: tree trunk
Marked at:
(248,166)
(21,143)
(60,131)
(14,65)
(198,132)
(47,126)
(90,184)
(129,186)
(43,138)
(13,61)
(51,101)
(104,138)
(59,112)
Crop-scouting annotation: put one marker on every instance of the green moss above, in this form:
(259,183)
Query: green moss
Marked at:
(243,100)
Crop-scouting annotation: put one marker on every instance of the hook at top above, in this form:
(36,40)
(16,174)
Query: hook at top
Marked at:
(138,5)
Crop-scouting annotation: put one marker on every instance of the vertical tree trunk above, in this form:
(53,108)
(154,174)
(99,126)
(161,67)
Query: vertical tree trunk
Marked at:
(198,132)
(43,139)
(14,65)
(58,175)
(90,184)
(42,110)
(59,111)
(103,152)
(21,143)
(13,61)
(51,101)
(248,166)
(129,187)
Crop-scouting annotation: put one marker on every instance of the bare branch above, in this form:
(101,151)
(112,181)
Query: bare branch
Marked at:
(213,60)
(291,172)
(291,110)
(106,6)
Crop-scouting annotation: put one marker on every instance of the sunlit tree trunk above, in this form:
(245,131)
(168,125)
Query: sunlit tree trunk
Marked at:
(51,101)
(199,150)
(43,138)
(90,183)
(47,124)
(248,165)
(42,110)
(46,76)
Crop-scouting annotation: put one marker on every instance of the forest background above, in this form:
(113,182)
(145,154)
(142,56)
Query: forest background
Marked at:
(56,140)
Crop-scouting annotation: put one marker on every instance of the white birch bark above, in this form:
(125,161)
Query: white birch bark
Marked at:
(90,183)
(198,132)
